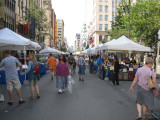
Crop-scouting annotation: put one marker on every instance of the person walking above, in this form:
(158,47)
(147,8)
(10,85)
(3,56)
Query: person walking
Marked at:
(32,77)
(74,66)
(81,65)
(145,96)
(62,71)
(115,79)
(70,63)
(52,65)
(10,65)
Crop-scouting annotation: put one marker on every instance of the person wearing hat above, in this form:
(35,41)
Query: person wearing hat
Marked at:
(81,64)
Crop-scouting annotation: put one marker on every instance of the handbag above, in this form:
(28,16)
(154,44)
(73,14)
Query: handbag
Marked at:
(150,82)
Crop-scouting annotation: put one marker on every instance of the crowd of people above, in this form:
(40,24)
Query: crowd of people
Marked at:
(66,65)
(61,68)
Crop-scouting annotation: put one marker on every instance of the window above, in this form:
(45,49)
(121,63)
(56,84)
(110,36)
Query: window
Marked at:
(100,8)
(106,8)
(106,0)
(113,8)
(100,38)
(100,0)
(113,0)
(106,27)
(100,17)
(100,27)
(106,17)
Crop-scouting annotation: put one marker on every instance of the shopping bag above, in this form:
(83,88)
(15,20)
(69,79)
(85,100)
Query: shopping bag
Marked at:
(1,98)
(150,82)
(70,83)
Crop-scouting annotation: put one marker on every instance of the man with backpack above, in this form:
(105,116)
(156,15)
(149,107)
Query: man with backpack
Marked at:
(10,65)
(70,63)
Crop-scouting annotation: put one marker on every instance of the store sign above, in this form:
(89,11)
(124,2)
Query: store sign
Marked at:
(55,33)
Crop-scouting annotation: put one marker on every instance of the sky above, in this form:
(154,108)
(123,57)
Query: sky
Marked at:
(73,14)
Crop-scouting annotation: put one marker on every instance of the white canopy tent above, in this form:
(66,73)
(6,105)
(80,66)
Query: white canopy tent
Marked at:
(36,45)
(98,48)
(91,50)
(84,52)
(13,41)
(124,44)
(49,50)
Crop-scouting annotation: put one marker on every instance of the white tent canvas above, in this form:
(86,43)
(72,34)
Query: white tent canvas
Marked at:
(124,44)
(49,50)
(91,50)
(84,52)
(13,41)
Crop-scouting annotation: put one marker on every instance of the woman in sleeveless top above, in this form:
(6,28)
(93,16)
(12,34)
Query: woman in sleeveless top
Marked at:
(32,78)
(145,96)
(62,72)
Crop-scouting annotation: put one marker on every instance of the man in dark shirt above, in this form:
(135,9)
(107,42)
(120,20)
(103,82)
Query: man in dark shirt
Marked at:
(133,61)
(116,72)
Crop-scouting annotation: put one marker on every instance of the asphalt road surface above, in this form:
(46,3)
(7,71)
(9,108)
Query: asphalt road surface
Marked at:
(93,99)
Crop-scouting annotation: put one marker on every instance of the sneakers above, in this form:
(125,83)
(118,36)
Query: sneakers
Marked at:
(10,103)
(139,118)
(60,91)
(22,101)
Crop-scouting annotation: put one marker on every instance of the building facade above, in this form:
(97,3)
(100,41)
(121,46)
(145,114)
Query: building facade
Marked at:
(60,33)
(77,42)
(8,14)
(48,40)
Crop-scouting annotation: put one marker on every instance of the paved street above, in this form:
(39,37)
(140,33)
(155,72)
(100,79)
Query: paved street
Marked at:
(94,99)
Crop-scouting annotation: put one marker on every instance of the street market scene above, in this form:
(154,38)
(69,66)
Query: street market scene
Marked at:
(80,60)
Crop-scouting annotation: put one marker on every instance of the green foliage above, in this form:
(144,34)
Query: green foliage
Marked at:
(33,13)
(63,49)
(144,21)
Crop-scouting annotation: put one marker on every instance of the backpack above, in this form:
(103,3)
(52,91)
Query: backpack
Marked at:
(36,69)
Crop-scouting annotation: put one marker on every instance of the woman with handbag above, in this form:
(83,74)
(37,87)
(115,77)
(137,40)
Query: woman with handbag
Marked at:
(62,71)
(145,94)
(32,76)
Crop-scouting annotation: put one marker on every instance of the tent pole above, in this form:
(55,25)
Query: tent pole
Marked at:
(25,59)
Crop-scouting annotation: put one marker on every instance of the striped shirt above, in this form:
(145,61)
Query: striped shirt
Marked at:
(10,65)
(81,61)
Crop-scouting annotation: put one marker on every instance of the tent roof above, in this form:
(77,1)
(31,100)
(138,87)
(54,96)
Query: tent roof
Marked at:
(49,50)
(123,43)
(13,41)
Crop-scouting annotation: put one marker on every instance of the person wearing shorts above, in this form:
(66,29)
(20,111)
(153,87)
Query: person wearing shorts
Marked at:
(52,65)
(32,78)
(145,96)
(81,64)
(10,65)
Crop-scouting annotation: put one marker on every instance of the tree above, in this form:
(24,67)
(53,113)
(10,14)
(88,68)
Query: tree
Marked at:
(63,49)
(120,24)
(33,13)
(144,21)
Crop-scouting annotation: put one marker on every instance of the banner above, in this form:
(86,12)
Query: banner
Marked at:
(55,33)
(26,29)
